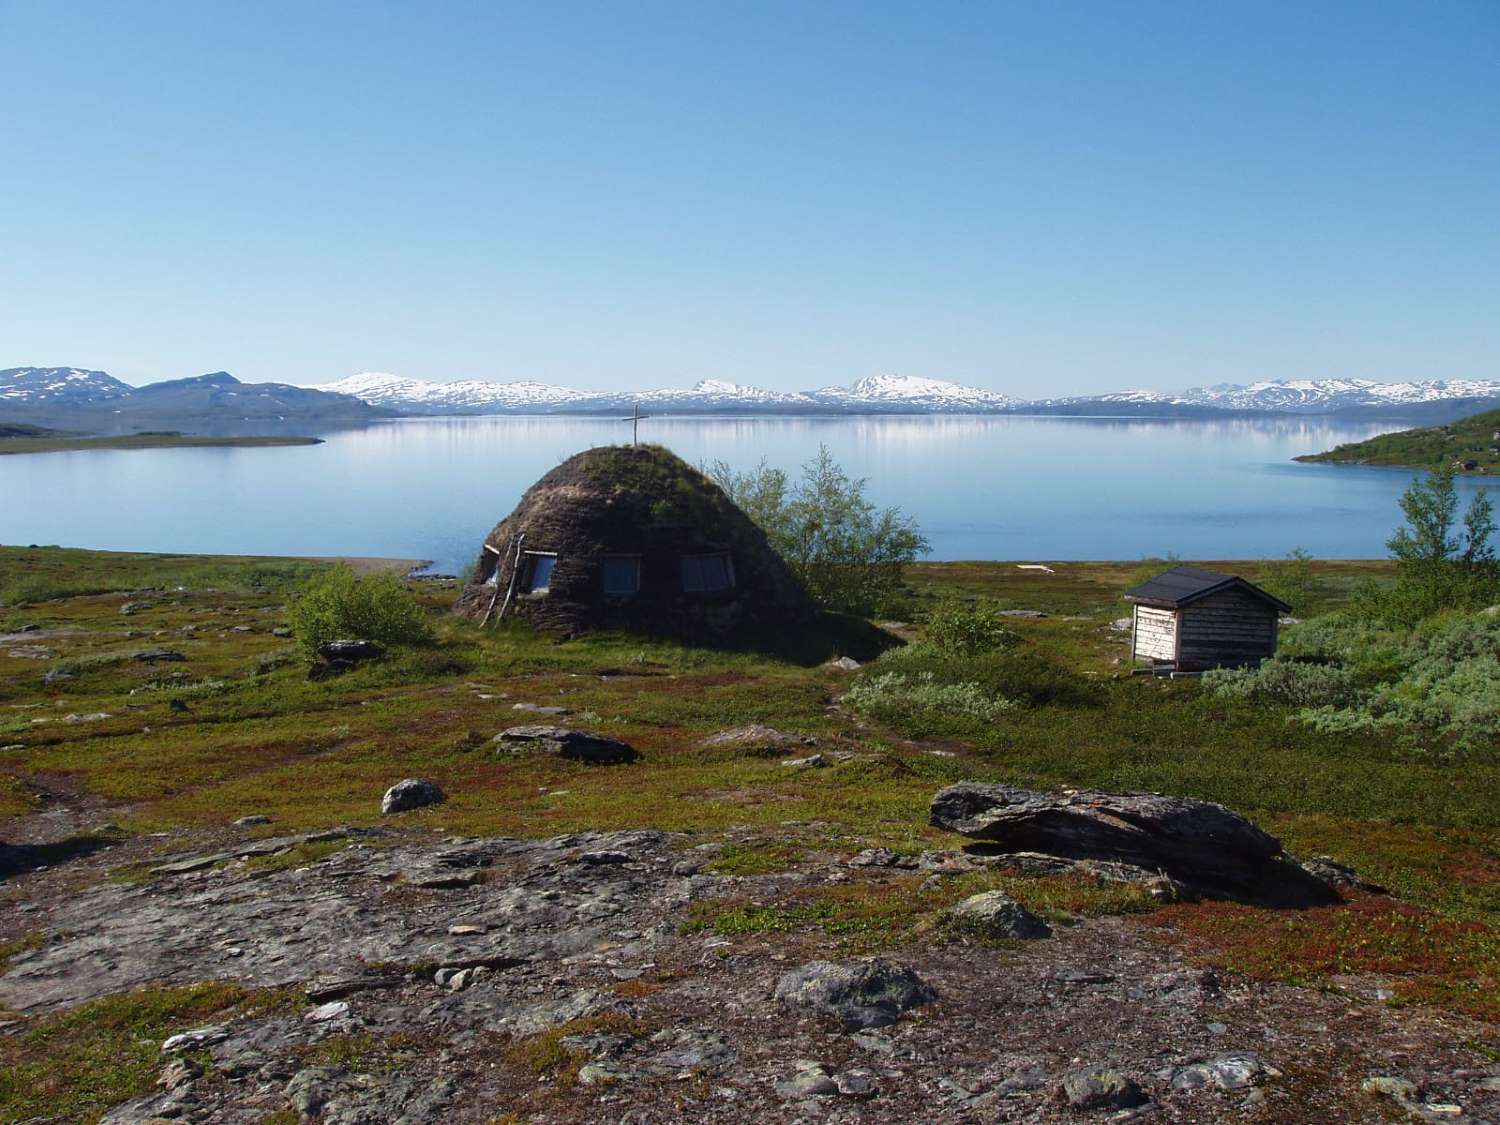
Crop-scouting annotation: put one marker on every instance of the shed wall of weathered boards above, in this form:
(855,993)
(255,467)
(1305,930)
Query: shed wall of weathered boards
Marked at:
(1227,629)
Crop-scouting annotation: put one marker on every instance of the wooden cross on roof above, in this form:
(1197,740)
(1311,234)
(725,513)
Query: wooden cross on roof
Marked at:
(635,420)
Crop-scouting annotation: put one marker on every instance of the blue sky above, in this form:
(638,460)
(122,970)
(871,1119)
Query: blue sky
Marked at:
(1038,198)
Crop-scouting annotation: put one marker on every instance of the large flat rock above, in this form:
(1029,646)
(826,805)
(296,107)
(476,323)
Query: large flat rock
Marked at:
(1211,848)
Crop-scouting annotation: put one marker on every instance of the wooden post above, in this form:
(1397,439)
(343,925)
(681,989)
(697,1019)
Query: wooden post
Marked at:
(515,570)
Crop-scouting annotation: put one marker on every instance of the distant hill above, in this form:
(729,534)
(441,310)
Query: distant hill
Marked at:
(1473,444)
(94,402)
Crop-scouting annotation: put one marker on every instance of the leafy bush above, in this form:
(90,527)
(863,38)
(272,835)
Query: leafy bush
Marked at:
(847,555)
(967,629)
(1441,563)
(340,604)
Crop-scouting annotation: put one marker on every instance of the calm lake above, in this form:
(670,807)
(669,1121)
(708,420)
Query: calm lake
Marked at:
(981,488)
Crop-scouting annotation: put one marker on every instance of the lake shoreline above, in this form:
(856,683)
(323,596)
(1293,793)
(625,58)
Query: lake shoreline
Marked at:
(72,443)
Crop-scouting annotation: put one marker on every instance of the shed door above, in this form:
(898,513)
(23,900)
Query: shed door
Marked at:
(1155,633)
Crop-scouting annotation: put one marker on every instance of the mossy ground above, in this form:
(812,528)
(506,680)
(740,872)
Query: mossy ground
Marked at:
(259,737)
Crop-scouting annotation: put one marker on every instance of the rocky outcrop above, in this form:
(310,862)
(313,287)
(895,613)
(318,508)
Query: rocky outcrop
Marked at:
(1214,850)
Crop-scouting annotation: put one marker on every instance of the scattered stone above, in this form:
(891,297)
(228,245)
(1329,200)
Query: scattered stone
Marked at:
(997,915)
(859,994)
(31,652)
(539,709)
(1122,624)
(1392,1086)
(130,608)
(1202,844)
(1339,876)
(810,1080)
(255,820)
(323,1013)
(1237,1071)
(197,1037)
(845,664)
(178,1073)
(410,793)
(158,656)
(757,738)
(281,631)
(86,717)
(1490,1084)
(1101,1088)
(1033,614)
(466,930)
(575,745)
(814,761)
(58,675)
(883,857)
(31,627)
(857,1084)
(342,655)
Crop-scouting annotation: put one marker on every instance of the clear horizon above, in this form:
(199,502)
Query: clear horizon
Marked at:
(1032,200)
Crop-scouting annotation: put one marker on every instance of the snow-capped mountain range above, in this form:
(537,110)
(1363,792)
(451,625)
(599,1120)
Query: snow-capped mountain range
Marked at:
(880,393)
(62,388)
(910,394)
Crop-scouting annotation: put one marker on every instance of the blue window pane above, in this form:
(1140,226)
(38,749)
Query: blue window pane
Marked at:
(541,572)
(622,576)
(706,574)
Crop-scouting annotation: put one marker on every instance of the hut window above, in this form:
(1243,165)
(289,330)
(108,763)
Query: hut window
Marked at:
(536,572)
(622,576)
(706,574)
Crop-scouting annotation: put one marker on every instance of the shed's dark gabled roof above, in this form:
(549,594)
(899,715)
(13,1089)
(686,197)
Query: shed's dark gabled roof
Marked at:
(1184,584)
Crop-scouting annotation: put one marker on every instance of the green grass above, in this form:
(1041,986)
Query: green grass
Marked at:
(1427,447)
(870,916)
(72,1065)
(73,443)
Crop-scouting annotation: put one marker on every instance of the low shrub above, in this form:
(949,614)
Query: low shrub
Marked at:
(892,696)
(1287,681)
(967,628)
(1347,675)
(339,604)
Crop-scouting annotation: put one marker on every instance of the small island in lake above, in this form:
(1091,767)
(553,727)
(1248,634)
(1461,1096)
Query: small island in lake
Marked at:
(18,438)
(1471,445)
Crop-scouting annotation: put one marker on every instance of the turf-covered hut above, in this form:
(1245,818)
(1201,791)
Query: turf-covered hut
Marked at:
(1190,620)
(634,538)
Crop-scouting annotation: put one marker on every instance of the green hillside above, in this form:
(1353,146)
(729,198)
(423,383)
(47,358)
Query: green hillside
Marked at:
(1473,443)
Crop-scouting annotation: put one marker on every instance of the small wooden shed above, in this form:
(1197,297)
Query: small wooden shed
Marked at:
(1189,620)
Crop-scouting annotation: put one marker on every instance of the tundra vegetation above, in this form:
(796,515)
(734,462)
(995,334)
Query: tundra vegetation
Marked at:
(1412,661)
(1304,748)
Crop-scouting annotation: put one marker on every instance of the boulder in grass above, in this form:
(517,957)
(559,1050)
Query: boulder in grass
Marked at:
(411,793)
(997,915)
(858,994)
(349,652)
(576,745)
(1212,849)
